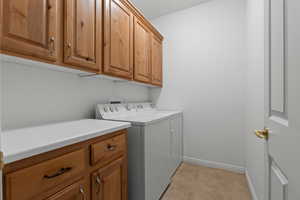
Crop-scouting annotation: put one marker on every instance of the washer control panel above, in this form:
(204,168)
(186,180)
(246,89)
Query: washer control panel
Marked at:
(110,110)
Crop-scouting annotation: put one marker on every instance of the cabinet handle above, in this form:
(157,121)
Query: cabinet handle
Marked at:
(52,44)
(81,190)
(69,49)
(111,147)
(58,173)
(98,182)
(89,59)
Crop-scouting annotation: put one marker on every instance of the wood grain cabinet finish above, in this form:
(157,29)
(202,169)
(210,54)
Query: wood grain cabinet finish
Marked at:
(30,28)
(118,39)
(108,150)
(109,37)
(109,183)
(156,61)
(67,174)
(142,65)
(82,31)
(76,191)
(44,176)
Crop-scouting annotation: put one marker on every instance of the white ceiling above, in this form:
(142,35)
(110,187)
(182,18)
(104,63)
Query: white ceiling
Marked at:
(155,8)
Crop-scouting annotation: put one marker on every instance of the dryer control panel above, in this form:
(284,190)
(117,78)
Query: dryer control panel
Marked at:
(104,111)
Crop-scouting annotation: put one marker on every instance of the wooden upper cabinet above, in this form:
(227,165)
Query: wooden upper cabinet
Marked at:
(156,61)
(110,183)
(75,191)
(142,67)
(82,42)
(118,39)
(30,28)
(100,36)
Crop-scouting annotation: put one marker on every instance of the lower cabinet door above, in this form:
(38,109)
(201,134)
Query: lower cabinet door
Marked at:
(76,191)
(110,182)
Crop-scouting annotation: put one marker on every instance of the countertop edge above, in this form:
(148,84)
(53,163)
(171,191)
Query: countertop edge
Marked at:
(33,152)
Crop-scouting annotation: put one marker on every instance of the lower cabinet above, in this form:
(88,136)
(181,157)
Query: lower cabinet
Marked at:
(109,183)
(69,173)
(75,191)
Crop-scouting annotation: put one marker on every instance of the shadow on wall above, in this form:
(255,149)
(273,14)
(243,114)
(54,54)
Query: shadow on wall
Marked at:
(155,94)
(35,96)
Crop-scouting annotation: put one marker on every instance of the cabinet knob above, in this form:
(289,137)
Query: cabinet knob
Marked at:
(111,147)
(89,59)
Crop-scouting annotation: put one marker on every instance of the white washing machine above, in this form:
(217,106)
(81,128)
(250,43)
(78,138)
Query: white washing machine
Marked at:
(155,146)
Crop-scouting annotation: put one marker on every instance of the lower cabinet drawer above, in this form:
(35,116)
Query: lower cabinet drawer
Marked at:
(29,183)
(76,191)
(108,150)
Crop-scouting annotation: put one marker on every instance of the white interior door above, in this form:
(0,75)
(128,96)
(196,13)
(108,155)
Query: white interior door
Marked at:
(282,101)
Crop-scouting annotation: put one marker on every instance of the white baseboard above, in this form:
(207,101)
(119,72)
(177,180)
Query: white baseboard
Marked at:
(251,186)
(213,164)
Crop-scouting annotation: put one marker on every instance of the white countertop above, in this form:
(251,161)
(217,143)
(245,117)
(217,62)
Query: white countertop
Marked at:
(23,143)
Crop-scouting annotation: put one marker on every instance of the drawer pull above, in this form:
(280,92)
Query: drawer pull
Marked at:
(58,173)
(81,190)
(111,147)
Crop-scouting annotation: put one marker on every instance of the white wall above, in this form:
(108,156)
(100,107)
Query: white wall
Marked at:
(33,96)
(204,74)
(1,192)
(255,95)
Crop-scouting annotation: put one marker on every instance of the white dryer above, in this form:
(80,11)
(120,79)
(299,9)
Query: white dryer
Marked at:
(155,146)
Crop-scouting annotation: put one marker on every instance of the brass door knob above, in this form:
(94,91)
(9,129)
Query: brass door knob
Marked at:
(263,134)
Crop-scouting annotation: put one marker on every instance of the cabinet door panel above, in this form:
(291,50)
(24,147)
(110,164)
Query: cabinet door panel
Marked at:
(142,70)
(156,61)
(110,183)
(118,37)
(30,27)
(82,33)
(75,191)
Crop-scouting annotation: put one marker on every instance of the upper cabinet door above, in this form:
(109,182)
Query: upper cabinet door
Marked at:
(82,43)
(156,61)
(142,67)
(30,28)
(118,39)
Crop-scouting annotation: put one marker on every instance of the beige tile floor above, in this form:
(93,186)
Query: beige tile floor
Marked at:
(192,182)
